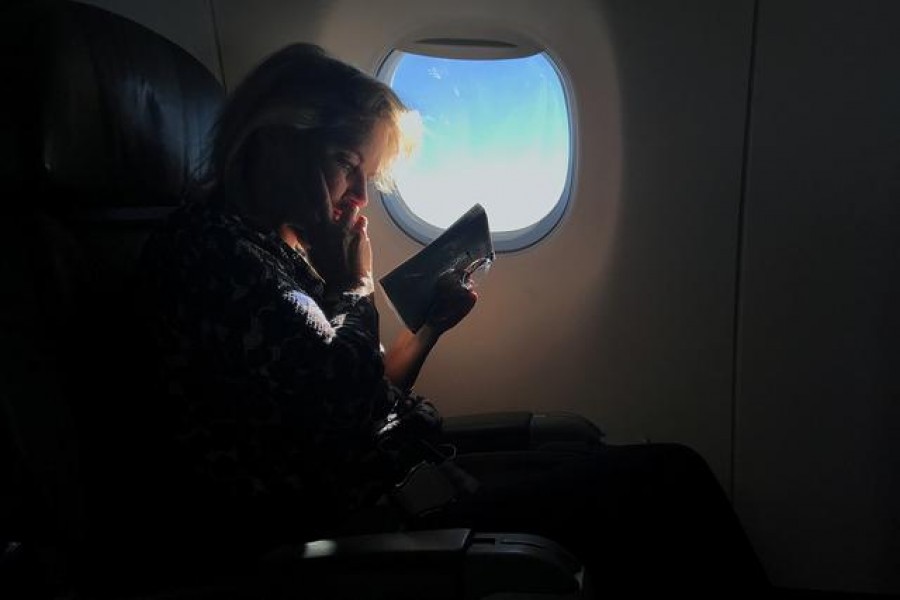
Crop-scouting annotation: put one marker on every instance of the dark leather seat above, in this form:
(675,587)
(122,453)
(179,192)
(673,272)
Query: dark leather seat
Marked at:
(111,132)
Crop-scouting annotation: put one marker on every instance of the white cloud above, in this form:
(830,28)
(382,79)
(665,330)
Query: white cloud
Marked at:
(516,191)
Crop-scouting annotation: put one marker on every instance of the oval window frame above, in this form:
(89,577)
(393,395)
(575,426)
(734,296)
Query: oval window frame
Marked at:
(488,47)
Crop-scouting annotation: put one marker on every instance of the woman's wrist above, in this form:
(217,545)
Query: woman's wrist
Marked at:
(428,335)
(407,354)
(363,286)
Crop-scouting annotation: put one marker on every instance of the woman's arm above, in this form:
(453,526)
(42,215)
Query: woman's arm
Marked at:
(405,358)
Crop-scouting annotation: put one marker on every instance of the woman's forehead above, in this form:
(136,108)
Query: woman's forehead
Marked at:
(372,149)
(375,146)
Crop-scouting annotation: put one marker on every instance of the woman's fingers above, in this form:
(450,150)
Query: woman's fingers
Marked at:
(341,250)
(466,303)
(452,303)
(359,226)
(361,247)
(349,219)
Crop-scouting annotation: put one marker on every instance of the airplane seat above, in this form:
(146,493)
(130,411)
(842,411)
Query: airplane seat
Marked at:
(120,116)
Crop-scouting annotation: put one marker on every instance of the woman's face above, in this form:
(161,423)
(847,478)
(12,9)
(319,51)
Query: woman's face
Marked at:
(348,171)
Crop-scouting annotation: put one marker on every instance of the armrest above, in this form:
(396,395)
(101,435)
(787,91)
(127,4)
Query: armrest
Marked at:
(439,564)
(515,431)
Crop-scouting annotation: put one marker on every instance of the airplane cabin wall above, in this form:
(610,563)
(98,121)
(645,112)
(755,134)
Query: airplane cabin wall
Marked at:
(625,313)
(818,470)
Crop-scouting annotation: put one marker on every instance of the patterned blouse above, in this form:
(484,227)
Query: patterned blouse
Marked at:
(277,389)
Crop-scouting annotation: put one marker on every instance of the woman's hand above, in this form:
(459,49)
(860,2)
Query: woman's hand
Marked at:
(452,302)
(404,359)
(340,250)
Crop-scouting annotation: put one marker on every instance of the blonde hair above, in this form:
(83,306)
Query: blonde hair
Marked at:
(302,88)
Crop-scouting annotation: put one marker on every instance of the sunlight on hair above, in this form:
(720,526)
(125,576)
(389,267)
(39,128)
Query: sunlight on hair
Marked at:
(411,132)
(405,143)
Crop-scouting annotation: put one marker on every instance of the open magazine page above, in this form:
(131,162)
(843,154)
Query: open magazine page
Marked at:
(410,287)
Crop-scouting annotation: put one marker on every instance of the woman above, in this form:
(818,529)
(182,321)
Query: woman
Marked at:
(258,295)
(259,298)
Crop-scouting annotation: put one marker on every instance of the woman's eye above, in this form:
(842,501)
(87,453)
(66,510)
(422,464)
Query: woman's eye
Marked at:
(346,165)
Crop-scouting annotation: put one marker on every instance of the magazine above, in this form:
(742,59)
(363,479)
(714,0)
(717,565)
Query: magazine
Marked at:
(462,249)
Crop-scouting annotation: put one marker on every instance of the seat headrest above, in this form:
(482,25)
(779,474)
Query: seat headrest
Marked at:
(126,112)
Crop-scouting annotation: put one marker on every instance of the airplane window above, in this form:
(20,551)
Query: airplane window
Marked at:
(495,132)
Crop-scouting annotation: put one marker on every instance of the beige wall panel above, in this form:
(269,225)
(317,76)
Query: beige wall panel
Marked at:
(624,313)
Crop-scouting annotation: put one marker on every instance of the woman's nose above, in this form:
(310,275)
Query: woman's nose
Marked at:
(359,192)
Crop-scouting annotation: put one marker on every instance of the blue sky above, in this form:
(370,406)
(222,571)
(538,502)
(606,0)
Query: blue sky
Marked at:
(495,132)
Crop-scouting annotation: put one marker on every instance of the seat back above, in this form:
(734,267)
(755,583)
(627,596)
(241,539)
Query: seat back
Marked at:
(120,116)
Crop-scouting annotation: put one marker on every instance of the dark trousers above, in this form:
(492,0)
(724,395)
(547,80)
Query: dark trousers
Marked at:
(641,518)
